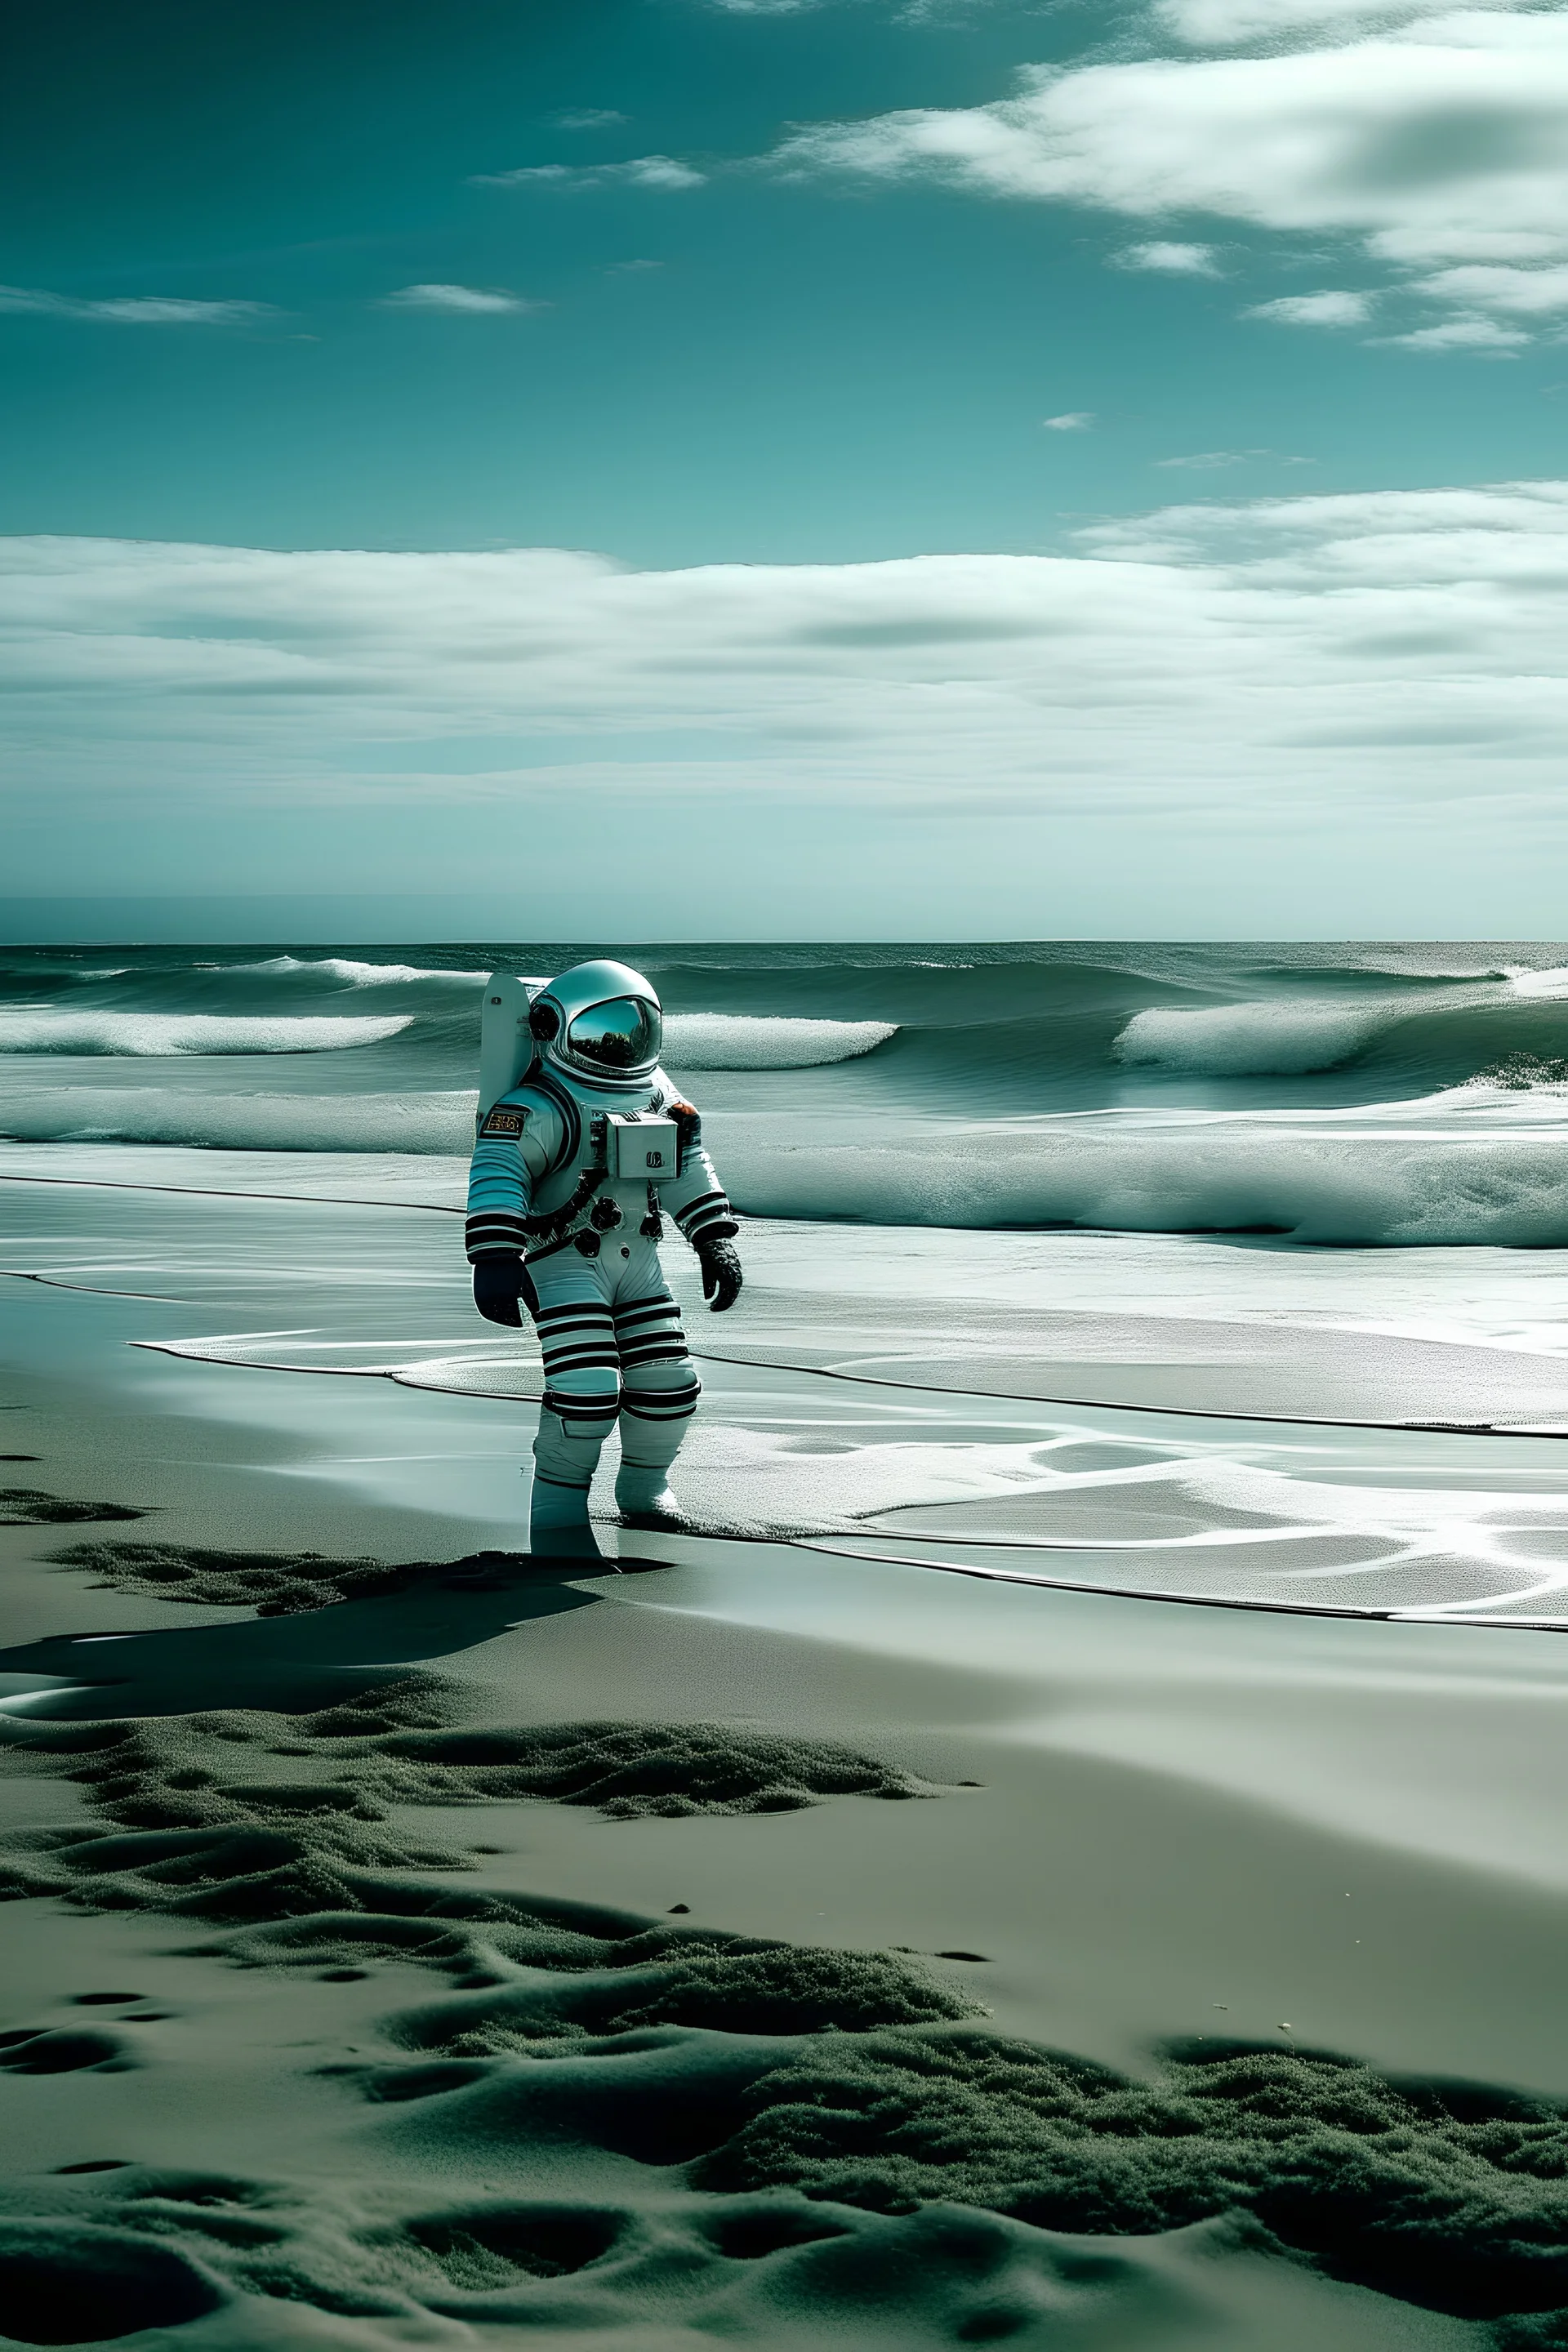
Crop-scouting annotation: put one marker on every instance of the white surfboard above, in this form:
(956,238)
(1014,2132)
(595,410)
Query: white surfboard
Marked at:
(506,1042)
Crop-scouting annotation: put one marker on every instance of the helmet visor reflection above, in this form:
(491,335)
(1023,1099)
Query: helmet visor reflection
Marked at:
(623,1035)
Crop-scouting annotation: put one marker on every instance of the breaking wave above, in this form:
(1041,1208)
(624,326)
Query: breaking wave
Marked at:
(436,1124)
(189,1033)
(739,1041)
(351,973)
(1251,1040)
(1441,1184)
(1394,1190)
(1398,1094)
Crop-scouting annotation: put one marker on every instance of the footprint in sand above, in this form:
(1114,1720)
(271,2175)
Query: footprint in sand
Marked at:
(38,2050)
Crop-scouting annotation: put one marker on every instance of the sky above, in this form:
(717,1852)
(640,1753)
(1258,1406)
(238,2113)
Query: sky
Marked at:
(878,467)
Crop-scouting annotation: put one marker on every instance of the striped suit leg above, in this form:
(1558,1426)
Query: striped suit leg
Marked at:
(660,1387)
(582,1384)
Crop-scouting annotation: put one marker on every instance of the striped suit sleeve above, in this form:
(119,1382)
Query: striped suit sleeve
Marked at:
(511,1154)
(696,1200)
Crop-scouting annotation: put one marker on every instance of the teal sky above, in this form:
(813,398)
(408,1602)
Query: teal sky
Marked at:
(883,291)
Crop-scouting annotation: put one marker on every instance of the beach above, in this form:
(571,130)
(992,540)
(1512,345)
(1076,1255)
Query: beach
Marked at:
(1063,1848)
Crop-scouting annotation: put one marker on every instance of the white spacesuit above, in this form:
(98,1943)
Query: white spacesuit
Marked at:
(574,1170)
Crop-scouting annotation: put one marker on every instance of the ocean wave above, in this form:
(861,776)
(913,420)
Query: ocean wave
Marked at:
(190,1032)
(1278,1040)
(739,1041)
(352,974)
(981,1034)
(427,1124)
(1468,1174)
(1393,1188)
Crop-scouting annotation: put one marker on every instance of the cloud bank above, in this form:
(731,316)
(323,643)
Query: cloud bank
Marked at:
(1431,142)
(1295,661)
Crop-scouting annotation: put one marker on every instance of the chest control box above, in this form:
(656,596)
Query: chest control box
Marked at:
(641,1148)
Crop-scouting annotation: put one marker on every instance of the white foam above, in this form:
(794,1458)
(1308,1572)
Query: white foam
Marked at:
(1402,1175)
(1248,1040)
(365,975)
(433,1124)
(1354,1182)
(1553,983)
(189,1033)
(744,1041)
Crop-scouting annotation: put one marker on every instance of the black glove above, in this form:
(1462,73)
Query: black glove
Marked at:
(721,1263)
(498,1286)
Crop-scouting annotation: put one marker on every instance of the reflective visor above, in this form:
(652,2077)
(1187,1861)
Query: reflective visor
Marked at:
(623,1035)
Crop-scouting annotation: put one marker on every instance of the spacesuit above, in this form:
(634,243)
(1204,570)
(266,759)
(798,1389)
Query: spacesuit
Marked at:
(574,1170)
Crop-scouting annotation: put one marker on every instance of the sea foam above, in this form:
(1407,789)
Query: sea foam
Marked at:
(419,1123)
(1391,1187)
(740,1041)
(1277,1039)
(353,974)
(1366,1179)
(152,1033)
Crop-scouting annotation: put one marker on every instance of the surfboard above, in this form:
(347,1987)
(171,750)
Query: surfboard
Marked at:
(506,1043)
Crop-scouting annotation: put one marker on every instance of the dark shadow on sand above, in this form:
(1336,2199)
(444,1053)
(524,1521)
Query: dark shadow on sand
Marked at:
(294,1665)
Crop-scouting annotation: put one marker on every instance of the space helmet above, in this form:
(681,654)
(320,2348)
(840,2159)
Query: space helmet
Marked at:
(601,1021)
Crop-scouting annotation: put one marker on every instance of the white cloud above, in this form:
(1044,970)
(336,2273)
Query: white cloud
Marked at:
(472,300)
(1438,144)
(1280,662)
(1325,310)
(662,172)
(135,309)
(1212,461)
(1462,335)
(1520,293)
(1234,24)
(1177,260)
(590,118)
(1073,420)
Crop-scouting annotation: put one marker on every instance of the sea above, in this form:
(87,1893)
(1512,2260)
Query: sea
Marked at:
(1407,1094)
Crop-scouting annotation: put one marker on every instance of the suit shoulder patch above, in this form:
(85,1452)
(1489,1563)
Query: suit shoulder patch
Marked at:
(505,1119)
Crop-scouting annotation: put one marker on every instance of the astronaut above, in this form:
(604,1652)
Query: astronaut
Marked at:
(553,1224)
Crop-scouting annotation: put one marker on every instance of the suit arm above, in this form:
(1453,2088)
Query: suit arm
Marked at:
(695,1198)
(511,1154)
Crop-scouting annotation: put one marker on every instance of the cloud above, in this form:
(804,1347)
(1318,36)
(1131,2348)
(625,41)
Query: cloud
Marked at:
(1074,420)
(471,300)
(1177,260)
(1286,663)
(1325,310)
(1462,335)
(1231,24)
(135,309)
(1209,461)
(662,172)
(1520,293)
(1434,144)
(590,118)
